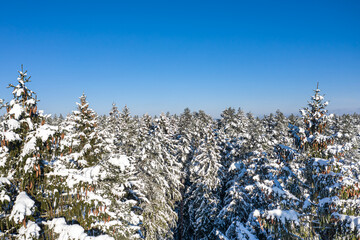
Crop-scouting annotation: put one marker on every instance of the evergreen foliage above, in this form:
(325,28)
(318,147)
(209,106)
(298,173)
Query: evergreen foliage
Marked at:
(177,177)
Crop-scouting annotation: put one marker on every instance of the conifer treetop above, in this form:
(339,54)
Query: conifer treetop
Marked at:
(20,91)
(315,113)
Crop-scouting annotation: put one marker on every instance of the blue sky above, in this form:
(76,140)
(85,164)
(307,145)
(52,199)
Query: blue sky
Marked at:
(159,56)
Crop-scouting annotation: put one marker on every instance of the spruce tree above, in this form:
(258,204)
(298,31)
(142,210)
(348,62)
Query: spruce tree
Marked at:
(28,145)
(83,146)
(160,174)
(128,131)
(206,173)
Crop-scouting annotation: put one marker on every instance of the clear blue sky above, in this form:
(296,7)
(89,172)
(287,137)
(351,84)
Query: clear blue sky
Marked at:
(158,56)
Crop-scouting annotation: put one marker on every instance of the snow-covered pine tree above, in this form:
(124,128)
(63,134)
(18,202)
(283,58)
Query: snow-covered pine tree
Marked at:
(269,124)
(321,172)
(28,145)
(281,133)
(311,138)
(256,141)
(235,204)
(231,134)
(184,156)
(119,185)
(110,131)
(82,145)
(333,177)
(160,173)
(346,128)
(206,173)
(128,131)
(77,173)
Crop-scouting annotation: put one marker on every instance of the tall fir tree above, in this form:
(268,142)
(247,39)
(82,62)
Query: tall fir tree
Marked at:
(160,173)
(83,145)
(28,145)
(203,194)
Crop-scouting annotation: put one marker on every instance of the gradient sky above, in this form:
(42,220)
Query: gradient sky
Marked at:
(159,56)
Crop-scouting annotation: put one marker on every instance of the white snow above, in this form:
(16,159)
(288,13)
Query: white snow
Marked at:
(320,162)
(72,232)
(283,215)
(256,213)
(23,207)
(30,124)
(29,146)
(11,136)
(74,176)
(17,110)
(31,231)
(18,91)
(243,232)
(13,124)
(31,101)
(121,161)
(4,180)
(328,200)
(45,131)
(351,222)
(235,165)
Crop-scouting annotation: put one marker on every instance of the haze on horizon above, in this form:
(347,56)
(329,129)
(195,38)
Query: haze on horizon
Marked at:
(162,56)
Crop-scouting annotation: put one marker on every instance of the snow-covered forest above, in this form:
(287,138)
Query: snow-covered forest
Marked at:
(186,176)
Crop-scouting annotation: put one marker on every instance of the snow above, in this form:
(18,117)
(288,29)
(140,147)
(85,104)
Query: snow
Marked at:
(283,215)
(3,194)
(318,97)
(45,131)
(72,232)
(74,176)
(23,207)
(256,213)
(276,191)
(18,91)
(31,231)
(30,101)
(327,200)
(4,180)
(336,149)
(243,232)
(121,161)
(320,162)
(13,124)
(351,222)
(86,147)
(235,165)
(29,146)
(17,110)
(220,235)
(11,136)
(30,124)
(307,203)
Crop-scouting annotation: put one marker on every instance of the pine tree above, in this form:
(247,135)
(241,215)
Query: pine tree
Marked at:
(160,173)
(311,138)
(111,131)
(83,146)
(319,173)
(203,194)
(128,131)
(28,145)
(120,185)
